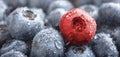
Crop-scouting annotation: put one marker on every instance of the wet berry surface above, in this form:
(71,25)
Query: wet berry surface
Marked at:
(59,28)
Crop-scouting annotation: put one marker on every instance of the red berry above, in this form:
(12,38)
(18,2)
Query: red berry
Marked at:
(77,27)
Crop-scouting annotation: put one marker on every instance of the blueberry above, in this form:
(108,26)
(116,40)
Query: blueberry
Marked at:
(109,14)
(16,3)
(47,43)
(60,4)
(105,29)
(79,51)
(44,4)
(55,16)
(77,3)
(29,44)
(8,11)
(4,34)
(3,8)
(100,2)
(24,23)
(13,53)
(14,45)
(103,46)
(91,9)
(116,37)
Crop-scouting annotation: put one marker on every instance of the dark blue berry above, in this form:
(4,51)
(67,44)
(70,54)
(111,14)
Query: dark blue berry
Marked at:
(13,53)
(24,23)
(105,29)
(79,51)
(109,14)
(55,16)
(14,45)
(78,3)
(103,46)
(16,3)
(3,8)
(116,37)
(60,4)
(44,4)
(4,34)
(91,9)
(100,2)
(47,43)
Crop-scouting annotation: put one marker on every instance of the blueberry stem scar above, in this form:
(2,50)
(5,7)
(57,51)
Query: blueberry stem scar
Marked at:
(29,14)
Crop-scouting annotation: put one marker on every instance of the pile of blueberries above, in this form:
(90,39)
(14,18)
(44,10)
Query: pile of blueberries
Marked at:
(30,28)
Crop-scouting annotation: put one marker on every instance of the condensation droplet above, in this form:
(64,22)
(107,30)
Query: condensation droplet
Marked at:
(58,44)
(28,23)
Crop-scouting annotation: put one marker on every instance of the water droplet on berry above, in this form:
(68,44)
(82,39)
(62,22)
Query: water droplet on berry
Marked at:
(54,52)
(58,44)
(28,23)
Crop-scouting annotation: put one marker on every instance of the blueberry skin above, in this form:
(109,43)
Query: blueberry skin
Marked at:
(13,53)
(44,4)
(109,14)
(24,23)
(47,43)
(3,8)
(91,9)
(60,4)
(106,29)
(16,45)
(4,34)
(78,3)
(100,2)
(55,16)
(116,37)
(79,51)
(16,3)
(103,46)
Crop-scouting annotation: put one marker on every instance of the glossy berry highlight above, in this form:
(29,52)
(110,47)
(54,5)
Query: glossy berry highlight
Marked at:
(77,27)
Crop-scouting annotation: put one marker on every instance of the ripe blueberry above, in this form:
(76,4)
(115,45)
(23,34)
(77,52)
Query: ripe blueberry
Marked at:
(16,3)
(100,2)
(47,43)
(109,14)
(24,23)
(44,4)
(91,9)
(55,16)
(78,3)
(14,45)
(60,4)
(116,37)
(103,46)
(79,51)
(3,8)
(4,34)
(13,53)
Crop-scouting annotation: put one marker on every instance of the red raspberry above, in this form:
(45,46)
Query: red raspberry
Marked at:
(77,27)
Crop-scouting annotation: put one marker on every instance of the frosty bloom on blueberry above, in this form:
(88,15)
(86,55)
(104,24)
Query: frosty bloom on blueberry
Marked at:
(47,43)
(55,16)
(13,53)
(77,27)
(60,4)
(79,51)
(24,23)
(16,45)
(56,28)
